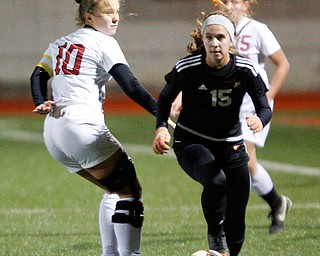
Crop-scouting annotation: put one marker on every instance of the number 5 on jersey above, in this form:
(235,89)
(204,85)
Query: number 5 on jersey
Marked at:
(221,98)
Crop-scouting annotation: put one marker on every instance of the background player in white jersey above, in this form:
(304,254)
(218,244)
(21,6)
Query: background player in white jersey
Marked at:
(80,64)
(255,41)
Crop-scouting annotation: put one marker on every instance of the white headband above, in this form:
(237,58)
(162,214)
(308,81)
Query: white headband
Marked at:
(219,20)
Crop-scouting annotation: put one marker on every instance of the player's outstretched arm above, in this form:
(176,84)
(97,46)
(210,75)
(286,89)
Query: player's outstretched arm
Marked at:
(131,86)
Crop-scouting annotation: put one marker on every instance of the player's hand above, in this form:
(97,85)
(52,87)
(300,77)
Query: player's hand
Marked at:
(254,123)
(43,108)
(161,141)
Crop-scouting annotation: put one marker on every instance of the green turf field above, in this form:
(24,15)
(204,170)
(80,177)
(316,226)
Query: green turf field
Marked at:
(46,211)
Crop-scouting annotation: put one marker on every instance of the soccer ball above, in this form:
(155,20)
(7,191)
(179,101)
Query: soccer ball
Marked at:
(206,253)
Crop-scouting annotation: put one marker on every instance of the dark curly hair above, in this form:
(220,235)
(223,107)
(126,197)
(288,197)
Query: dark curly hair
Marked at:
(197,45)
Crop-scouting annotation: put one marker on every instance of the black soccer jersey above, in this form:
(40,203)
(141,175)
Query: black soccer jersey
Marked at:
(211,98)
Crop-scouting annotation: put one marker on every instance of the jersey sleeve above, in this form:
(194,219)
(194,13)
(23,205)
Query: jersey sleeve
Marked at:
(131,86)
(40,77)
(112,54)
(175,78)
(258,87)
(263,109)
(269,43)
(167,96)
(46,62)
(39,85)
(257,91)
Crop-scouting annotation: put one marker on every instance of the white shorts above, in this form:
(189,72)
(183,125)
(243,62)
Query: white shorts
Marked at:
(247,108)
(78,137)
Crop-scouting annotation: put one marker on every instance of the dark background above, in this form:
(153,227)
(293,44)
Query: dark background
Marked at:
(153,40)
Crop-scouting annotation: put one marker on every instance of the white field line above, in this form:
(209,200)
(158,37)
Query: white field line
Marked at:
(310,171)
(253,207)
(24,136)
(34,137)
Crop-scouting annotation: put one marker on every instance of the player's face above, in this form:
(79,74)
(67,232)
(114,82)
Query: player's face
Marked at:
(240,8)
(108,19)
(217,44)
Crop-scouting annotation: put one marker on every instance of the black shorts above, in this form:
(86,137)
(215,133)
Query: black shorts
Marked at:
(227,154)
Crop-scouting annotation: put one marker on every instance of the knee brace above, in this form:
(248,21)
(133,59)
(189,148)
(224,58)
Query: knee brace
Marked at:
(124,174)
(129,212)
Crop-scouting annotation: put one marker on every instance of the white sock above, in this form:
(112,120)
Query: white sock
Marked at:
(108,237)
(261,181)
(128,237)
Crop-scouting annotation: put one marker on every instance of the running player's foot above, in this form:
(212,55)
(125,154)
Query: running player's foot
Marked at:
(219,244)
(278,214)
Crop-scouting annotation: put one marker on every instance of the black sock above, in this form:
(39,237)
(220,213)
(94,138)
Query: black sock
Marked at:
(272,198)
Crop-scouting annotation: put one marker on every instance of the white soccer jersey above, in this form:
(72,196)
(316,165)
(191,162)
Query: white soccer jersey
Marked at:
(81,73)
(75,132)
(255,41)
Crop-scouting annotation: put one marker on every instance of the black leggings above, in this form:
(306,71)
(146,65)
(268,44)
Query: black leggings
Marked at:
(221,168)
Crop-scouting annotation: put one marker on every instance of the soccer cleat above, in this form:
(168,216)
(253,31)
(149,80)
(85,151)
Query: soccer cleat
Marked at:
(278,215)
(219,244)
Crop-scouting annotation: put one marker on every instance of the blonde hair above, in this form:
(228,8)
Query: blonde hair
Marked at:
(93,7)
(250,12)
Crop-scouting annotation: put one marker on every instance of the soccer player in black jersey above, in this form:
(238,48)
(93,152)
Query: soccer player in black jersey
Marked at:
(208,140)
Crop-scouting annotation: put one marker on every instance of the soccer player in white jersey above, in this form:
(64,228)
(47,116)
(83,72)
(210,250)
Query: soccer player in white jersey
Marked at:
(255,41)
(75,133)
